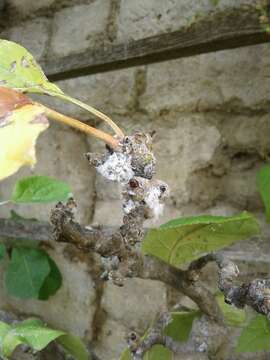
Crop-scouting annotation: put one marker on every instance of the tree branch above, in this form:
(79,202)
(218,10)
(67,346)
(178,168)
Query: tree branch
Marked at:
(155,336)
(133,166)
(255,294)
(109,243)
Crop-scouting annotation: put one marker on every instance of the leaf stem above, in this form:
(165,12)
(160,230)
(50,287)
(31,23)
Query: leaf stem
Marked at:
(54,115)
(94,111)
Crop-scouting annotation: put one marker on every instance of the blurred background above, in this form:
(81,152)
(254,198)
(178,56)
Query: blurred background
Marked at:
(210,113)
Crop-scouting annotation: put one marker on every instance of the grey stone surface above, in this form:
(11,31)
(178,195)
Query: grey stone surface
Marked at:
(79,27)
(131,307)
(206,158)
(129,310)
(26,7)
(140,18)
(188,144)
(115,343)
(246,133)
(32,34)
(227,80)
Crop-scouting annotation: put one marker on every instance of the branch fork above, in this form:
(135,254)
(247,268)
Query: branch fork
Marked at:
(132,165)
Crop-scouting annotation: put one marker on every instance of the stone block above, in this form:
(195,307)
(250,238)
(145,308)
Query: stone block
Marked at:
(239,188)
(183,146)
(79,27)
(32,34)
(232,80)
(143,18)
(112,341)
(26,7)
(131,307)
(245,134)
(206,158)
(136,304)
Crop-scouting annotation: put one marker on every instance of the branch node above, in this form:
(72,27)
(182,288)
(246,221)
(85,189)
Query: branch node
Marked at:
(61,215)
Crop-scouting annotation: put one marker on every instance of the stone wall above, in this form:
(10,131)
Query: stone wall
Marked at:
(211,114)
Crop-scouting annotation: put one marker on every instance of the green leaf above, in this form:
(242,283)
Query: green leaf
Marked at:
(178,329)
(157,352)
(19,70)
(31,332)
(2,251)
(263,186)
(4,328)
(40,189)
(29,322)
(26,272)
(31,273)
(256,336)
(74,346)
(52,282)
(9,344)
(182,240)
(232,316)
(37,335)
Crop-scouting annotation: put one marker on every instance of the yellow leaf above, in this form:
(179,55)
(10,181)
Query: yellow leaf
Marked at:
(21,122)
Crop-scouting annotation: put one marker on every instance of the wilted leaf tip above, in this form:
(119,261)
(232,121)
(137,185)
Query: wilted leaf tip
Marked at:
(11,100)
